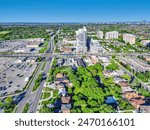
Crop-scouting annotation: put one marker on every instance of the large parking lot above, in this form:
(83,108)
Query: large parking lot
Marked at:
(14,74)
(21,46)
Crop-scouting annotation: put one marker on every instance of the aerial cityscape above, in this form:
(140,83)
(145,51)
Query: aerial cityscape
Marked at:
(74,67)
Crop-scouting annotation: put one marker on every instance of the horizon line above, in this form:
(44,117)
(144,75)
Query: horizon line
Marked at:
(141,21)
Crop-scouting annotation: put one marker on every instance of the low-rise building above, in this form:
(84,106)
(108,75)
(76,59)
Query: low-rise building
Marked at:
(94,59)
(133,95)
(136,103)
(145,108)
(65,108)
(66,49)
(109,73)
(125,87)
(88,61)
(62,92)
(61,78)
(118,79)
(65,100)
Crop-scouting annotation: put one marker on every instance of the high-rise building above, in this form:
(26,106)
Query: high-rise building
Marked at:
(100,34)
(145,43)
(81,39)
(129,38)
(112,35)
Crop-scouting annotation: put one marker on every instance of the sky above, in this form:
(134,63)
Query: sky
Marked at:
(74,10)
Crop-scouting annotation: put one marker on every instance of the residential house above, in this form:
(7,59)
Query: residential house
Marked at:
(61,78)
(94,59)
(65,108)
(118,79)
(65,100)
(62,92)
(136,103)
(145,108)
(133,95)
(60,85)
(134,99)
(109,73)
(125,87)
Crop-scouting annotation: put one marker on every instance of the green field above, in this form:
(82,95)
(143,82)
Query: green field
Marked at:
(4,32)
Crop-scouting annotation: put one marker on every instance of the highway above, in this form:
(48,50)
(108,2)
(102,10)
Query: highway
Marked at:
(34,97)
(28,91)
(72,54)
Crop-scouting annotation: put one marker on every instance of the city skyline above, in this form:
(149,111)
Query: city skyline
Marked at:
(49,11)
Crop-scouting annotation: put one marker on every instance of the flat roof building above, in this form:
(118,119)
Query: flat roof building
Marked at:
(100,34)
(81,40)
(129,38)
(112,35)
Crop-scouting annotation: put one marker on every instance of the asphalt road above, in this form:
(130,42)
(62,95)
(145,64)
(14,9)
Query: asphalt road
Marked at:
(28,91)
(34,97)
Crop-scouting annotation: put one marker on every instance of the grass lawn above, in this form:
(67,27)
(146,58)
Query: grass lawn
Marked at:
(44,47)
(26,108)
(46,95)
(4,32)
(48,89)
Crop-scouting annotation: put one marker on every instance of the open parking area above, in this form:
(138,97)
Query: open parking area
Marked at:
(14,74)
(22,45)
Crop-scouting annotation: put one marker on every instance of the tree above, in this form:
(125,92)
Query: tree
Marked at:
(124,105)
(142,76)
(9,105)
(1,104)
(104,108)
(80,103)
(86,110)
(127,77)
(93,103)
(112,66)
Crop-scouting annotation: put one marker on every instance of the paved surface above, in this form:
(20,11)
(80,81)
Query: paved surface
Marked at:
(74,54)
(29,91)
(34,97)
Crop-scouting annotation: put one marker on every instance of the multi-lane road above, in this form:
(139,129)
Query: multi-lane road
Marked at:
(72,54)
(33,97)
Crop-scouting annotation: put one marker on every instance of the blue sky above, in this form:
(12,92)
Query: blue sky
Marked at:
(74,10)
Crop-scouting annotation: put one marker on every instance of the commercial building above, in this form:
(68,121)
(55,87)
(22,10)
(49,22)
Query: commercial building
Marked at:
(129,38)
(112,35)
(81,40)
(34,42)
